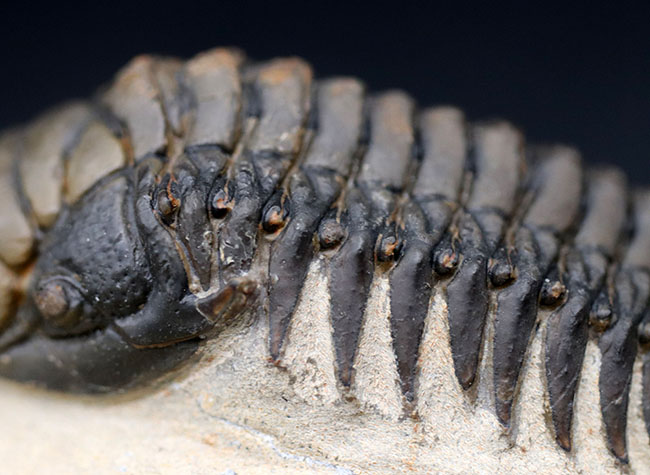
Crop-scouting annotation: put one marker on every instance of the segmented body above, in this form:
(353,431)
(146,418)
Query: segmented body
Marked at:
(217,158)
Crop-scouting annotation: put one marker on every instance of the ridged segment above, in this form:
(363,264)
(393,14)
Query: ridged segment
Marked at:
(310,192)
(556,186)
(422,221)
(7,294)
(368,215)
(41,166)
(97,153)
(174,98)
(479,227)
(281,91)
(213,79)
(16,234)
(444,150)
(586,267)
(619,343)
(134,98)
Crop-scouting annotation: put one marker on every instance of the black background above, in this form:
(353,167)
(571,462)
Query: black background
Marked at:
(580,75)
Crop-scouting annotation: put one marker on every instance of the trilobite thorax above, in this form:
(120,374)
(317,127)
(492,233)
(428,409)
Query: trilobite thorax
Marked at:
(188,193)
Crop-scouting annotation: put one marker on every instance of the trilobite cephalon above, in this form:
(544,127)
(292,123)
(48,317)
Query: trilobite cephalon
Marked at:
(131,222)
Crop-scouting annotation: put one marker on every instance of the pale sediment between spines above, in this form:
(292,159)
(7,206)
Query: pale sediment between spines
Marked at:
(370,186)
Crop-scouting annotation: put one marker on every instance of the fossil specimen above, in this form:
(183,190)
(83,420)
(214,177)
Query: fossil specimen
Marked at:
(188,195)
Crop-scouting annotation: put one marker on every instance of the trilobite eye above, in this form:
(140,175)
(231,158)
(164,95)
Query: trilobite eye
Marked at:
(220,205)
(167,206)
(58,302)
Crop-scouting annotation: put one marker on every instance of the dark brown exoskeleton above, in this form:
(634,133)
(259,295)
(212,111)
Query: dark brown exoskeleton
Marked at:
(123,284)
(189,194)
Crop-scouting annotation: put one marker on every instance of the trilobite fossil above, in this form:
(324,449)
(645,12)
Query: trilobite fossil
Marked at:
(150,218)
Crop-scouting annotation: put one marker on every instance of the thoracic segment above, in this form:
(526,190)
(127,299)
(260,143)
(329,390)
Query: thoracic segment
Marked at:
(368,184)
